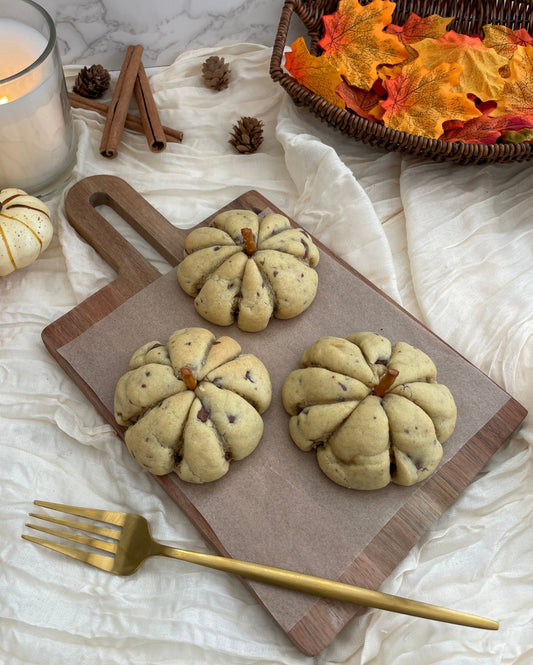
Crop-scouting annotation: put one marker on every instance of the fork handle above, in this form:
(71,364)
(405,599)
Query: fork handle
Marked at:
(319,586)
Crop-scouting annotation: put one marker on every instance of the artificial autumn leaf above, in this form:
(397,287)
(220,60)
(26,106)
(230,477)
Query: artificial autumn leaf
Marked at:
(520,136)
(379,88)
(417,28)
(483,129)
(517,98)
(421,99)
(505,72)
(392,71)
(451,126)
(314,72)
(504,40)
(364,102)
(479,76)
(355,43)
(486,107)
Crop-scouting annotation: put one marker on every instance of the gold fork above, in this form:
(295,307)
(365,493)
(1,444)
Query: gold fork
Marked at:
(129,545)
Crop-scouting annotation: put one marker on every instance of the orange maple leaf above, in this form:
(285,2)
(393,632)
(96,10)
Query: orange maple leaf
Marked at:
(504,40)
(421,99)
(417,28)
(314,72)
(517,96)
(392,71)
(480,65)
(355,42)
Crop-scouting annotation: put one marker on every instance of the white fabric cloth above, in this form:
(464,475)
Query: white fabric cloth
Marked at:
(453,245)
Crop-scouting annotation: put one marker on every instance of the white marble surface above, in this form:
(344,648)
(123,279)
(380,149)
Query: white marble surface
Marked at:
(99,31)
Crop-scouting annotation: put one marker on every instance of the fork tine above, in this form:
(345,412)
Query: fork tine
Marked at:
(103,545)
(98,560)
(81,526)
(109,516)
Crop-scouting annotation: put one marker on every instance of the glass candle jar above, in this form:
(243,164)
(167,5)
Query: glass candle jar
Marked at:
(37,141)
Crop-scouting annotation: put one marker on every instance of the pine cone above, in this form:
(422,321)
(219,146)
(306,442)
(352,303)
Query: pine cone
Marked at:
(92,82)
(247,135)
(216,73)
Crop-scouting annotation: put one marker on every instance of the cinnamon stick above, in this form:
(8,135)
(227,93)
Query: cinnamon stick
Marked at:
(118,109)
(133,122)
(151,123)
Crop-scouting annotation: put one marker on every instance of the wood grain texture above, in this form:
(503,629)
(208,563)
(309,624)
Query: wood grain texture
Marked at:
(324,619)
(394,541)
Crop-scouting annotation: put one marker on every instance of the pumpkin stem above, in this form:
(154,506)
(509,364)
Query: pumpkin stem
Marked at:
(188,378)
(386,382)
(249,243)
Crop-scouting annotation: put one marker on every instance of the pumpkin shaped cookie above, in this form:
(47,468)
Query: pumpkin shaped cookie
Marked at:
(25,229)
(373,412)
(192,405)
(248,269)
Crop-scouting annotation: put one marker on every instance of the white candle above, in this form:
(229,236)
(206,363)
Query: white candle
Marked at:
(36,141)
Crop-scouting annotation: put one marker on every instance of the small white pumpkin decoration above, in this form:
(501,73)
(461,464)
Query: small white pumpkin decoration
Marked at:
(25,229)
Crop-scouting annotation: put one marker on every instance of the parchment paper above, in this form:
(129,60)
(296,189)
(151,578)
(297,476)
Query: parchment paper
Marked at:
(276,506)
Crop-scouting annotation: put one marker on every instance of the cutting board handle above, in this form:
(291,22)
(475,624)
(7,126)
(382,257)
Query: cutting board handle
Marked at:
(133,270)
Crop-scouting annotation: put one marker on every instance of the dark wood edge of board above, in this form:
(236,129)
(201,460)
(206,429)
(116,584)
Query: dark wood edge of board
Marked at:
(396,539)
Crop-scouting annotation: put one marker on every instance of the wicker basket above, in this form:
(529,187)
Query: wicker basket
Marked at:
(470,16)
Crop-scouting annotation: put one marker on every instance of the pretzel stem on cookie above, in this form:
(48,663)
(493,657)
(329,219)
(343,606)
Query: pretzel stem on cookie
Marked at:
(249,243)
(188,378)
(386,382)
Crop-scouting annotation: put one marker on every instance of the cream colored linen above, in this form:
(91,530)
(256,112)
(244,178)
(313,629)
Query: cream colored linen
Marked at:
(454,245)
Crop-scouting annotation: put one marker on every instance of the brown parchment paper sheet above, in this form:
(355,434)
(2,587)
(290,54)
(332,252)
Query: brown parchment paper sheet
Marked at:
(276,506)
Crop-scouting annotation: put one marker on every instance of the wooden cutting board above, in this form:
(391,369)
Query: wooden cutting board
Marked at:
(275,507)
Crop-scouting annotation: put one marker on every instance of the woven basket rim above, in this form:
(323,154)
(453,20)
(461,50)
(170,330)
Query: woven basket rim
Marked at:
(311,11)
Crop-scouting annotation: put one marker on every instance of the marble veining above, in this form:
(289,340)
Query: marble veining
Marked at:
(91,31)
